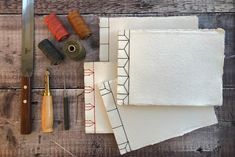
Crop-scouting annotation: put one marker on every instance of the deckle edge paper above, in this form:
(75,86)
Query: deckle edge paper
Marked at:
(124,138)
(96,118)
(122,142)
(89,74)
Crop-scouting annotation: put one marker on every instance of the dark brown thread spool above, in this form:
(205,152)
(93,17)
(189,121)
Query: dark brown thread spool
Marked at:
(51,52)
(78,24)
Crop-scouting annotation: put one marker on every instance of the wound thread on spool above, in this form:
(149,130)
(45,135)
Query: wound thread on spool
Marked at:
(56,27)
(79,25)
(74,50)
(50,51)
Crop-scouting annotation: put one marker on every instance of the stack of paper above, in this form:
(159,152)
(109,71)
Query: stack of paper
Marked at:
(150,69)
(170,67)
(109,28)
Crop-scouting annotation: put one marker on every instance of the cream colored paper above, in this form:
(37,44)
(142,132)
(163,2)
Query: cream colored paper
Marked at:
(130,22)
(109,28)
(135,127)
(170,67)
(96,120)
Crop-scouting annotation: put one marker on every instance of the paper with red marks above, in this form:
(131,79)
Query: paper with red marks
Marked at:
(96,120)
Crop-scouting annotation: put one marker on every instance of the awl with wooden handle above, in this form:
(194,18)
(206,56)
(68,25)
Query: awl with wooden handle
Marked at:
(26,65)
(47,106)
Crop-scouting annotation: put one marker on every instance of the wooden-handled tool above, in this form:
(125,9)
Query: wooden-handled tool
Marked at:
(47,106)
(26,65)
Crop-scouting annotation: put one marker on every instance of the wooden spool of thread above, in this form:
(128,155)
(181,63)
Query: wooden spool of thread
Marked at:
(78,24)
(56,27)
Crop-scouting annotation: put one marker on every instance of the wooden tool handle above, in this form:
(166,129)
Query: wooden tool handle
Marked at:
(25,122)
(47,113)
(66,113)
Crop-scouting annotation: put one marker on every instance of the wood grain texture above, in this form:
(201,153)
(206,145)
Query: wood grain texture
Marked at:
(227,22)
(25,123)
(121,6)
(10,53)
(213,141)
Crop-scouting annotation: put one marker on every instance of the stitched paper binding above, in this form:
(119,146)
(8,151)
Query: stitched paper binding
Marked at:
(89,74)
(104,45)
(123,67)
(124,146)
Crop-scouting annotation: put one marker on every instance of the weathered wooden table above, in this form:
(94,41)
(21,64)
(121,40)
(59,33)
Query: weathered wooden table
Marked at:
(214,141)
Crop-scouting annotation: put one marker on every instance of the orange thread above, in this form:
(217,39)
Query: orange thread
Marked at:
(78,24)
(56,27)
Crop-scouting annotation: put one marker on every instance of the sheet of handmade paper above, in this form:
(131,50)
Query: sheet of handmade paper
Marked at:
(96,120)
(170,67)
(137,126)
(109,28)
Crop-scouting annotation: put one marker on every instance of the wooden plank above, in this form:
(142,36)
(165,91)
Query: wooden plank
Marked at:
(9,110)
(203,142)
(209,141)
(214,141)
(121,6)
(226,112)
(74,140)
(225,21)
(10,53)
(9,106)
(10,30)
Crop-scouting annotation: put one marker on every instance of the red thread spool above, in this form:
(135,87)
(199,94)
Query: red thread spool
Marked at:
(56,27)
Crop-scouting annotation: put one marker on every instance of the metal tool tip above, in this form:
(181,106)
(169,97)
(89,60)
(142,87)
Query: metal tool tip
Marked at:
(47,72)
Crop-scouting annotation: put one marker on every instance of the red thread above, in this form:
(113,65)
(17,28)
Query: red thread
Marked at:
(88,72)
(56,27)
(89,123)
(89,89)
(94,98)
(89,106)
